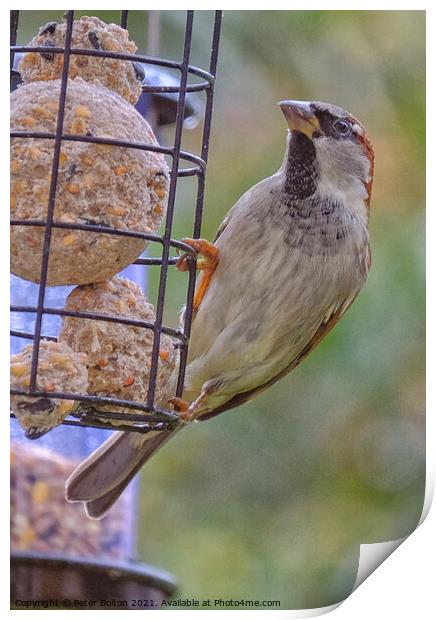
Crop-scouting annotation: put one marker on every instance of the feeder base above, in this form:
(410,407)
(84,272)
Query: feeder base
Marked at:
(42,581)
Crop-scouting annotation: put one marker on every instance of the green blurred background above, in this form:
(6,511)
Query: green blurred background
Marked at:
(271,500)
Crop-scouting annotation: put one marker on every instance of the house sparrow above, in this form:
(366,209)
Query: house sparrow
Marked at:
(291,256)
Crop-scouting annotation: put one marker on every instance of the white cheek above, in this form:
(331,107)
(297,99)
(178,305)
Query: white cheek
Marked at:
(342,176)
(344,169)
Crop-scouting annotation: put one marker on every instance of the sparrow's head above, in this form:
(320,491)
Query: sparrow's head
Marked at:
(334,145)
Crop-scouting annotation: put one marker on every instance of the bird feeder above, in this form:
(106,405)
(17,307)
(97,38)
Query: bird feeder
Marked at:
(58,554)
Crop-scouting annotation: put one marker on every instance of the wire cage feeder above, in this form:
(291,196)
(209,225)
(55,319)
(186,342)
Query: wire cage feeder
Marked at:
(138,417)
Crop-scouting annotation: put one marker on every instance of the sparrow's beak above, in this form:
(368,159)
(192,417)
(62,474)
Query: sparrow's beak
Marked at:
(300,117)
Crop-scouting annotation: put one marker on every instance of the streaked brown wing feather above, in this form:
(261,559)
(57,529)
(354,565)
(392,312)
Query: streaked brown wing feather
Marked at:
(320,333)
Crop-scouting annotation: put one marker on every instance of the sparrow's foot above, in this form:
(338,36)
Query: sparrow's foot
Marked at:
(210,387)
(207,262)
(189,411)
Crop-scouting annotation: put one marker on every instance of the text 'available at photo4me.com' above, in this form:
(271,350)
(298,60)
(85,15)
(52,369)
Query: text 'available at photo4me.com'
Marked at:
(181,603)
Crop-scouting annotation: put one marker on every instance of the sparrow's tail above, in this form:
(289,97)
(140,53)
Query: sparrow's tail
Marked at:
(101,478)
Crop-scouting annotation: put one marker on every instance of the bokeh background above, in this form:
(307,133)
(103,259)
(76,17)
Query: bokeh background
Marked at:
(272,500)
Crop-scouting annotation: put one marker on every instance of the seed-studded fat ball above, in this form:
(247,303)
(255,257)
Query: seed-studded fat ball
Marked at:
(102,185)
(60,369)
(123,76)
(119,355)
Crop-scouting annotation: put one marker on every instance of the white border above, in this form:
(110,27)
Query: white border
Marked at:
(402,587)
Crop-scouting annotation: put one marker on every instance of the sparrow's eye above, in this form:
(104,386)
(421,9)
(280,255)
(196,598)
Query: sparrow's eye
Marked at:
(342,127)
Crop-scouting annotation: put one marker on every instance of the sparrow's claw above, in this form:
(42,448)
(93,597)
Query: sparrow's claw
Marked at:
(182,408)
(182,263)
(207,263)
(190,411)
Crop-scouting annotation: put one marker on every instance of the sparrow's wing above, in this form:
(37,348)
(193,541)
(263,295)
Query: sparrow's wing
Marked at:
(240,203)
(322,331)
(223,225)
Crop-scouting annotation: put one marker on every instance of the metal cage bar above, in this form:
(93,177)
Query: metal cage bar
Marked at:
(144,416)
